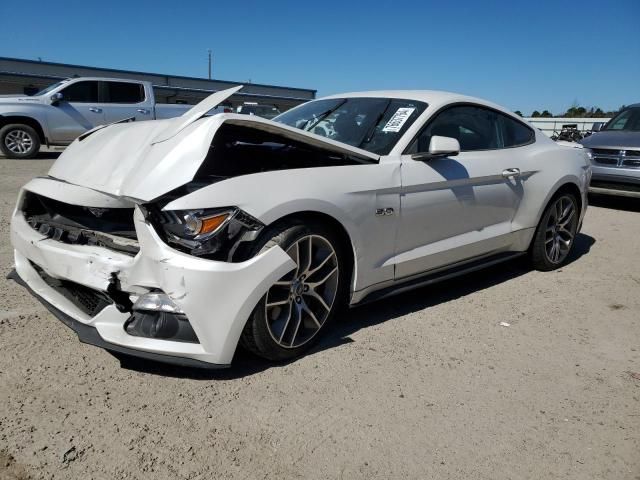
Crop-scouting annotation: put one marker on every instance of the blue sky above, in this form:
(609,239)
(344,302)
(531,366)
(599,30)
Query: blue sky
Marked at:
(522,54)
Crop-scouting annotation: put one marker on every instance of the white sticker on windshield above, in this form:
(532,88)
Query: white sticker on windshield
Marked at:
(396,122)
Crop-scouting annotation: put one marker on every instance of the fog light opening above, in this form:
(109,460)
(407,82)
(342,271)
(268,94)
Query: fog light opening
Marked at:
(156,316)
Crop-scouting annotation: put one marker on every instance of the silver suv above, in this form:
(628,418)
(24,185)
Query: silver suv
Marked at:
(615,155)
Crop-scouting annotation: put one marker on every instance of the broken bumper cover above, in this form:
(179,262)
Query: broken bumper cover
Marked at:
(217,297)
(88,334)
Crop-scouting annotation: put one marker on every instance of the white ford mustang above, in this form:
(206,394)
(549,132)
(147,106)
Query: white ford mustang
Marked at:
(176,240)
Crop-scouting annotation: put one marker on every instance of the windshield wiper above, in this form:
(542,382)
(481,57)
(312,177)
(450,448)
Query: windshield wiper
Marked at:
(323,115)
(369,134)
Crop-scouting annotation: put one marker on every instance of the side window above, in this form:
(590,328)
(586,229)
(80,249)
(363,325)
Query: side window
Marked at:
(124,92)
(81,92)
(514,133)
(474,127)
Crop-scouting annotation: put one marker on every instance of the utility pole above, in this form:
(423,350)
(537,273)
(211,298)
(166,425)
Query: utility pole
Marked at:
(209,51)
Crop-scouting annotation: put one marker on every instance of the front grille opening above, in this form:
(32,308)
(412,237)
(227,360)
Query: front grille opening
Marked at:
(112,228)
(606,161)
(87,299)
(624,187)
(605,151)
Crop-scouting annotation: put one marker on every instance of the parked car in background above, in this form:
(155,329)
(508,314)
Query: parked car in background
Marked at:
(61,112)
(264,111)
(177,240)
(615,154)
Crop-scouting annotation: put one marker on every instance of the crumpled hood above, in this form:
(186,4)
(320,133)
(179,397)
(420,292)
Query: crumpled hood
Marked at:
(144,160)
(620,140)
(125,160)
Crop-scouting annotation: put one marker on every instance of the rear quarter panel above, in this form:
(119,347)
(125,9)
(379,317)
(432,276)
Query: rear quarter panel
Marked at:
(546,167)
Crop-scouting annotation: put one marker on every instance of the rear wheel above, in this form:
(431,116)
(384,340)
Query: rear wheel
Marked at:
(555,233)
(299,306)
(19,141)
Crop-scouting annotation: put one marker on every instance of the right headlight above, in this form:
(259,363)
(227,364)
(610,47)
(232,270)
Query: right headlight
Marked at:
(206,232)
(589,154)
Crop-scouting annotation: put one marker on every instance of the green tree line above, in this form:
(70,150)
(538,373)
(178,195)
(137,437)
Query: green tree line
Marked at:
(575,111)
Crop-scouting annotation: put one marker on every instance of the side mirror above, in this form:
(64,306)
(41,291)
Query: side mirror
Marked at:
(439,147)
(597,126)
(56,98)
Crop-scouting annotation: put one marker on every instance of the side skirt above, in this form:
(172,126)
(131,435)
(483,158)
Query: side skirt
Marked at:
(404,285)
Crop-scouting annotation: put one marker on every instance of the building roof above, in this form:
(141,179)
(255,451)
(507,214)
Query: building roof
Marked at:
(136,72)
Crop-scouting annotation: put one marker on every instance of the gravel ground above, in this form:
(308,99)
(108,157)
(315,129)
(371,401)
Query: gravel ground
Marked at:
(424,385)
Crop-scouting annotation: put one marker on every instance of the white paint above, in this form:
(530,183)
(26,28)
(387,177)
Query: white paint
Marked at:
(447,211)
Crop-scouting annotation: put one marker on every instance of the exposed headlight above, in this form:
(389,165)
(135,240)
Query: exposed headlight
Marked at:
(196,224)
(589,154)
(205,231)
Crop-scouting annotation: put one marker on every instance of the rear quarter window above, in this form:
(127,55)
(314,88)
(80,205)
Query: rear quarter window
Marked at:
(514,133)
(124,92)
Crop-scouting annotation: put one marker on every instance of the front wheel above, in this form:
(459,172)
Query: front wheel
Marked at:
(299,306)
(19,141)
(555,234)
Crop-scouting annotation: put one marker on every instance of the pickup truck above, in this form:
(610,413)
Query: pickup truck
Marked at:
(65,110)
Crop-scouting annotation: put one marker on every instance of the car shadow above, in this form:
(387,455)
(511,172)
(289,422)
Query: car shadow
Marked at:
(354,319)
(628,204)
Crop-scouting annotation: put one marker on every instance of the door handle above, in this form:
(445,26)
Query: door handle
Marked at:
(144,111)
(95,109)
(511,172)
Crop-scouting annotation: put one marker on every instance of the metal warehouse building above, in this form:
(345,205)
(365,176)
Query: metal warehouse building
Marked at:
(28,76)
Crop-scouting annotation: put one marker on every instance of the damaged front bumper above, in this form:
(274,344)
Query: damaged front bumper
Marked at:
(216,297)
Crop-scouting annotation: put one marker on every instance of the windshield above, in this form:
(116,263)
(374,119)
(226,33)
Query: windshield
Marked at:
(628,119)
(373,124)
(51,87)
(265,111)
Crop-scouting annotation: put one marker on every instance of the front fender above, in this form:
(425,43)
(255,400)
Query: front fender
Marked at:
(350,194)
(33,114)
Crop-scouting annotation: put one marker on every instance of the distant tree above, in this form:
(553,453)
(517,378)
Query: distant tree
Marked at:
(518,112)
(575,112)
(613,113)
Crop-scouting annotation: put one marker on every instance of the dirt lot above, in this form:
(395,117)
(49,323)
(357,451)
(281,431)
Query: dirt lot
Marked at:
(424,385)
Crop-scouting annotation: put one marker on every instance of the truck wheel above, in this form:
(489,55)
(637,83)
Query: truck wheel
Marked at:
(19,141)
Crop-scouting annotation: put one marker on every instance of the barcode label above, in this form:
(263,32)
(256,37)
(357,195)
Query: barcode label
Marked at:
(397,120)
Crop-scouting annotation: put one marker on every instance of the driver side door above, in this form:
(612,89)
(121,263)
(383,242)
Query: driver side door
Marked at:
(458,208)
(79,110)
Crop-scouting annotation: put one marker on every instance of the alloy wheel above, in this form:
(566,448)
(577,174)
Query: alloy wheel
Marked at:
(298,305)
(18,141)
(560,229)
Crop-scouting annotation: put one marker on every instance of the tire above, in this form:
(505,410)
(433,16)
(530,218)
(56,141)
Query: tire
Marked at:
(19,141)
(298,308)
(555,234)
